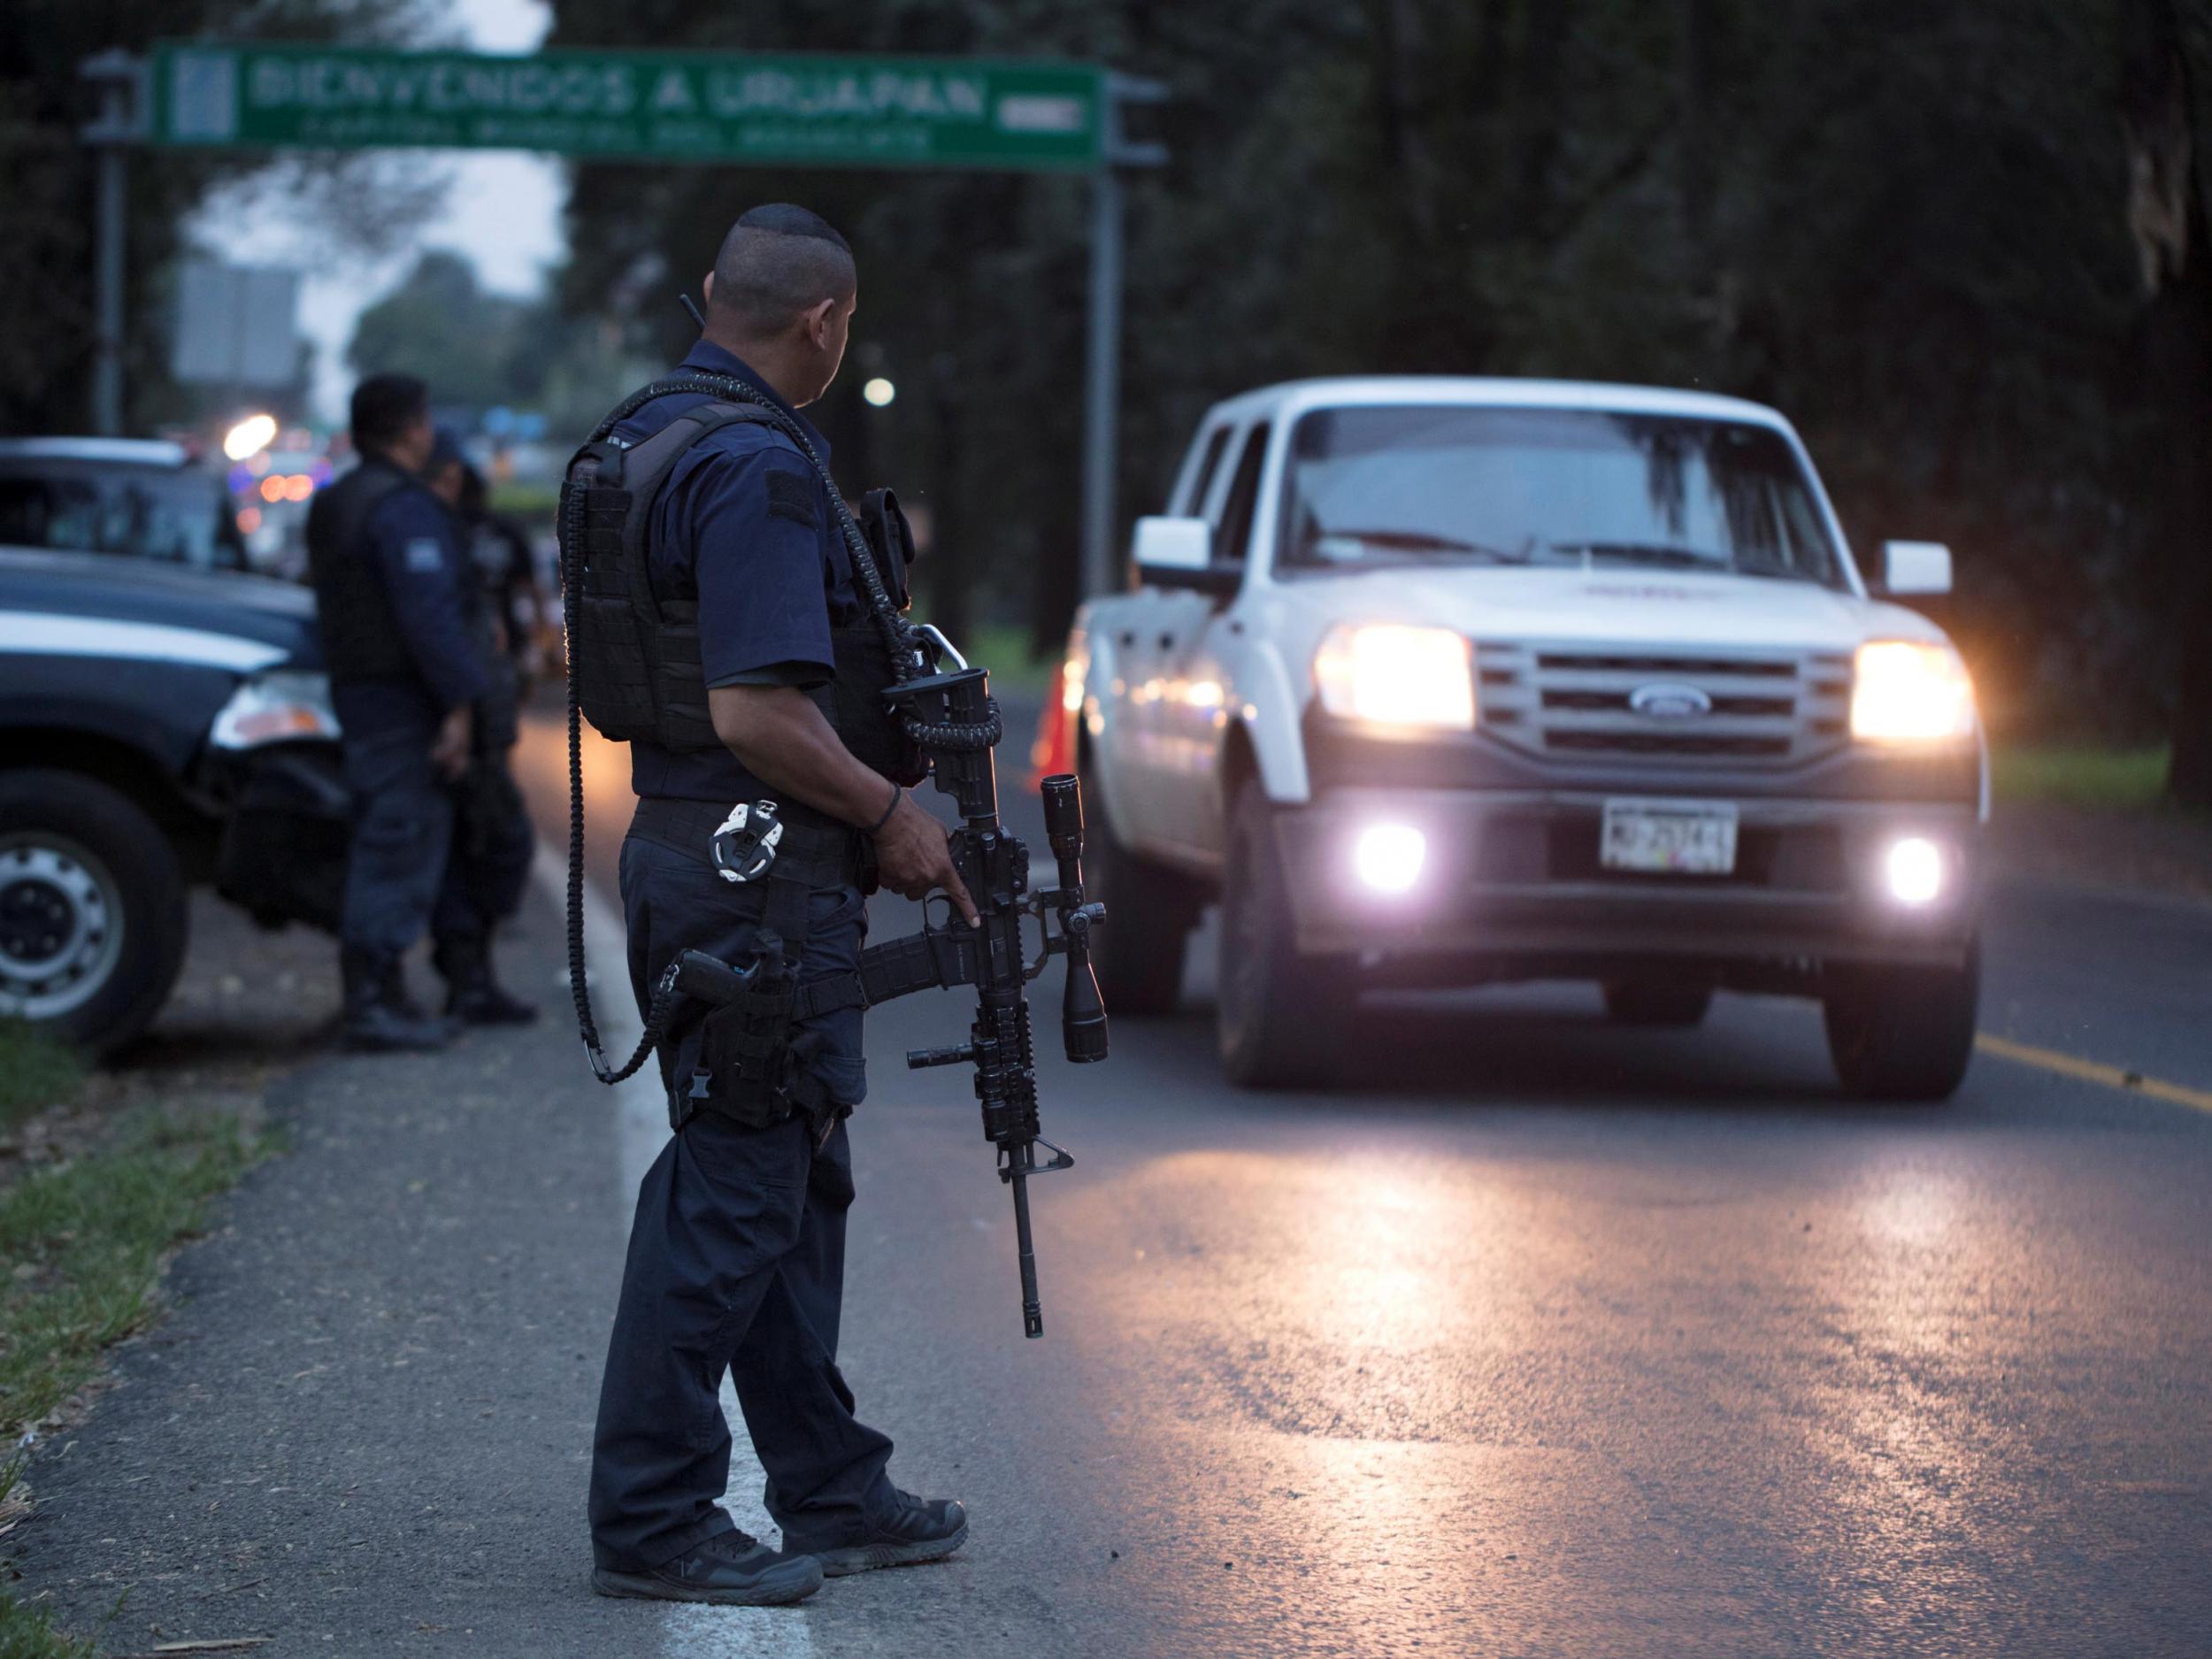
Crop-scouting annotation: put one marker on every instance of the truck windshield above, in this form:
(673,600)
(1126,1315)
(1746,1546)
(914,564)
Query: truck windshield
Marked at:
(1388,487)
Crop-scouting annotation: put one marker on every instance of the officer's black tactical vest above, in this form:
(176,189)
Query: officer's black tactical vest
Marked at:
(361,637)
(635,657)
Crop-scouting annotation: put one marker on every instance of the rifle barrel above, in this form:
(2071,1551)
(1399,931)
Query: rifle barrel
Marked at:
(1020,1162)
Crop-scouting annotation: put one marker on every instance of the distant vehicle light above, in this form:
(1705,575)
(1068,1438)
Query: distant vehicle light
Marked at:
(249,521)
(1388,857)
(879,392)
(249,436)
(272,487)
(1905,691)
(1389,674)
(1914,869)
(298,486)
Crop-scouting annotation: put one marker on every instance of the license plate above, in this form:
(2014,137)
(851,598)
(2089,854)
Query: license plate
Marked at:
(1686,838)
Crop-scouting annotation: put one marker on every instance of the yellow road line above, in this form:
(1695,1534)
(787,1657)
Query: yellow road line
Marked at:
(2095,1072)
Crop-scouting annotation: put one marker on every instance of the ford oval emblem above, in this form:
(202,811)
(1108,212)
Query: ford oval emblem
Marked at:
(1669,702)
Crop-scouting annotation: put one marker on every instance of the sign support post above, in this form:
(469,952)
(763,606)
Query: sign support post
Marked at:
(1101,373)
(120,78)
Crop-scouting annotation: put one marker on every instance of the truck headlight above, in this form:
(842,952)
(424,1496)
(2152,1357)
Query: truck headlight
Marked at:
(1390,674)
(279,708)
(1906,692)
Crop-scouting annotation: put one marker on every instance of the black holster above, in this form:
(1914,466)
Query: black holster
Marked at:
(752,1061)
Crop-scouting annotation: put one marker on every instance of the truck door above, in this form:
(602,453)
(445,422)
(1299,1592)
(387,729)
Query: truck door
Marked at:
(1192,711)
(1133,628)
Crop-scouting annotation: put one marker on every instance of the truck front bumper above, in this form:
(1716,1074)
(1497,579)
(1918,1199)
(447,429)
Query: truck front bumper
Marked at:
(1513,878)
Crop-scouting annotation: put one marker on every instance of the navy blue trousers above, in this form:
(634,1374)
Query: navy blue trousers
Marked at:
(406,868)
(736,1265)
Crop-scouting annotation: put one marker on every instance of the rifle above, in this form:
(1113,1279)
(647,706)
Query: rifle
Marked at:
(994,866)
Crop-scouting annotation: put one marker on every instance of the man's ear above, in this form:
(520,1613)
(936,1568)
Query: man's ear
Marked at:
(707,288)
(815,319)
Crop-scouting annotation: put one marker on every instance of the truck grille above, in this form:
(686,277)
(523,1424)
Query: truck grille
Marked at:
(1763,706)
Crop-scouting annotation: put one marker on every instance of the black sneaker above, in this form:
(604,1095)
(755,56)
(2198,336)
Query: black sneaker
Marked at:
(731,1570)
(917,1530)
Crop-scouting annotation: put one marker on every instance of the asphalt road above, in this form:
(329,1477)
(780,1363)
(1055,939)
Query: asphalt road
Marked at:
(1552,1339)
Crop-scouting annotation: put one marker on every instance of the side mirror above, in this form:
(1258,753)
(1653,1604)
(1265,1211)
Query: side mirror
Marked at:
(1916,567)
(1177,553)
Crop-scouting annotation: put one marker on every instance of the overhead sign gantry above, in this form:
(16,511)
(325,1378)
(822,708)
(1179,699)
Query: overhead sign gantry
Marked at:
(724,109)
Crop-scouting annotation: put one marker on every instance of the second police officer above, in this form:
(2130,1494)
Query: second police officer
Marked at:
(732,566)
(407,671)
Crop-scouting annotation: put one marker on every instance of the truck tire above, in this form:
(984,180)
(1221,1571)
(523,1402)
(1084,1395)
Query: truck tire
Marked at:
(1657,1002)
(1150,913)
(1282,1019)
(1903,1033)
(92,914)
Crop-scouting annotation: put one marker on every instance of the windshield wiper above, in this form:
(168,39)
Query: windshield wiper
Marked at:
(1643,553)
(1420,541)
(1674,558)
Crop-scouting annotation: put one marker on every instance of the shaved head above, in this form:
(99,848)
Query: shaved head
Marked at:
(777,262)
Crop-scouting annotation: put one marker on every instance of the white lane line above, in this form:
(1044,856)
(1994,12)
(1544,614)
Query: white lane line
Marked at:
(642,1131)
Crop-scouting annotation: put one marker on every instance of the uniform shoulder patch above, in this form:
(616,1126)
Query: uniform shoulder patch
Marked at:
(422,554)
(793,496)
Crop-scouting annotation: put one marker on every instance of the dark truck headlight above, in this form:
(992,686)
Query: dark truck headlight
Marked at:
(287,706)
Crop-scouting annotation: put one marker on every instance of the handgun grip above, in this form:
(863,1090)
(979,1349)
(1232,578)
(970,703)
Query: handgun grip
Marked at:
(709,979)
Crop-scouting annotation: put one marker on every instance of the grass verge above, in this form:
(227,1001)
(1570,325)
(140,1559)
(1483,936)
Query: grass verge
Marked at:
(2113,779)
(35,1073)
(84,1243)
(1005,651)
(28,1633)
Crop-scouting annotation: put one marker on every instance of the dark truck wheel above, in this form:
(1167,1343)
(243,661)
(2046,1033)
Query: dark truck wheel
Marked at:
(92,919)
(1150,913)
(1657,1002)
(1282,1019)
(1903,1033)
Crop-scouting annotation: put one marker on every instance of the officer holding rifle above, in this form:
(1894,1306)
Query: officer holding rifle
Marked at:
(744,669)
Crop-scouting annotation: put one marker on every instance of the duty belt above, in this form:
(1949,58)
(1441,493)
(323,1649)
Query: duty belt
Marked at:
(814,851)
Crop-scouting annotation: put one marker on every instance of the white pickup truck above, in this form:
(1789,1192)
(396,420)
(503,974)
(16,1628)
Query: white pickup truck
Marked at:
(1442,682)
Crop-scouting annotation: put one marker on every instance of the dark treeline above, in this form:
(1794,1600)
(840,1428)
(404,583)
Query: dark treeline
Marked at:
(1963,245)
(1917,225)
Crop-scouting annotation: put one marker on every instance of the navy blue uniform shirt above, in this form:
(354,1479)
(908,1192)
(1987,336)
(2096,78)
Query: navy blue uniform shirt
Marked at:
(429,583)
(743,526)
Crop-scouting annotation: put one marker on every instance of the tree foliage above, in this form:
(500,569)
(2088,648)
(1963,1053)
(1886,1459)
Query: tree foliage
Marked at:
(478,349)
(1903,221)
(46,188)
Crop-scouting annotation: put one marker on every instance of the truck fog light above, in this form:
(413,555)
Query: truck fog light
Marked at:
(1914,868)
(1388,856)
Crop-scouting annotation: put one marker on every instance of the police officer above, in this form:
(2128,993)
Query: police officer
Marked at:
(405,672)
(488,854)
(736,1257)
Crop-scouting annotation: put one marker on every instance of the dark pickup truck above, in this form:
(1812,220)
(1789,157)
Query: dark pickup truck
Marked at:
(159,727)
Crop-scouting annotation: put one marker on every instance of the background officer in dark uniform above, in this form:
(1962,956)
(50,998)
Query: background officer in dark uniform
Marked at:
(736,1258)
(405,672)
(488,854)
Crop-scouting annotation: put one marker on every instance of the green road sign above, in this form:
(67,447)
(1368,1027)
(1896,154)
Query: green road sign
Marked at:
(808,110)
